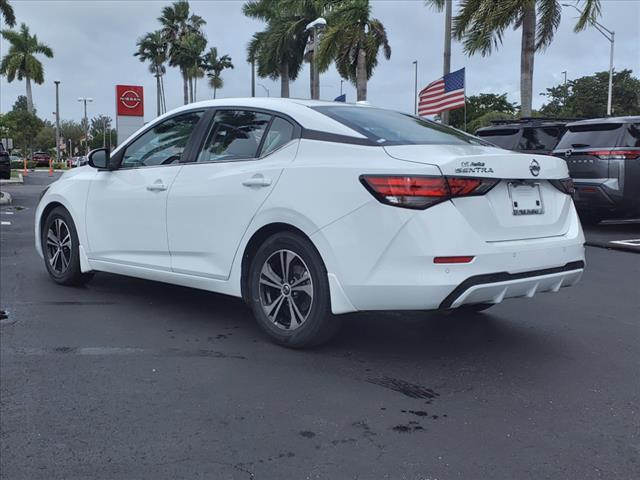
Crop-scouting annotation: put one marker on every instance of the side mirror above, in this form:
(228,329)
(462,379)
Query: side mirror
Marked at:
(100,158)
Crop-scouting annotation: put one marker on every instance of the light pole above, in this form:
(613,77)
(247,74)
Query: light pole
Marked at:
(341,82)
(566,93)
(415,89)
(253,77)
(611,36)
(104,133)
(86,122)
(265,89)
(317,25)
(57,82)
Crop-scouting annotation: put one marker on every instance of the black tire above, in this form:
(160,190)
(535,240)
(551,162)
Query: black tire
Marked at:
(60,273)
(318,325)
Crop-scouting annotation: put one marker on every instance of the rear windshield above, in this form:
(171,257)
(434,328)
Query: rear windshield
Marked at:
(539,138)
(592,136)
(503,137)
(388,127)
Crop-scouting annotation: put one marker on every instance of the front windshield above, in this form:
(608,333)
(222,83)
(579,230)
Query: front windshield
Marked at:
(388,127)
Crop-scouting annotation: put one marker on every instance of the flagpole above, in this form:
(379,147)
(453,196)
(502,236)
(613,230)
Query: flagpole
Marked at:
(415,89)
(465,99)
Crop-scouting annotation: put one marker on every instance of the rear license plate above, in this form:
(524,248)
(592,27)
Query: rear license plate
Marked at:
(526,198)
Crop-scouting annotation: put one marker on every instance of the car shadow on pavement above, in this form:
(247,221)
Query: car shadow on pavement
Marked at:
(417,335)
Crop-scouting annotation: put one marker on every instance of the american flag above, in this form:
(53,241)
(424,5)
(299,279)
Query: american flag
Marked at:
(446,93)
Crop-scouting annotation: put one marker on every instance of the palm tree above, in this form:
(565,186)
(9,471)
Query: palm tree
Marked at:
(188,54)
(353,39)
(177,23)
(214,67)
(153,48)
(7,13)
(279,49)
(20,62)
(481,25)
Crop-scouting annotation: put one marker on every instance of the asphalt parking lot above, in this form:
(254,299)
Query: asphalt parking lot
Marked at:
(130,379)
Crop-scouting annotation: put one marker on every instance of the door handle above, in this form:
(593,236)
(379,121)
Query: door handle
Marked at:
(257,181)
(158,186)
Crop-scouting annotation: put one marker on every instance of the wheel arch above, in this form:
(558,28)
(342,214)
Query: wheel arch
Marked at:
(257,239)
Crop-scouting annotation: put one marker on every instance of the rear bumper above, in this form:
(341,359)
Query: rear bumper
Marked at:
(597,196)
(495,287)
(383,259)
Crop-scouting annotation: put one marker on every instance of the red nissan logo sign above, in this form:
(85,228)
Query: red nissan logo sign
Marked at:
(130,100)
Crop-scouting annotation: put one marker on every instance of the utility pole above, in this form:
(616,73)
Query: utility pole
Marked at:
(104,132)
(57,82)
(415,88)
(566,92)
(444,116)
(341,82)
(86,122)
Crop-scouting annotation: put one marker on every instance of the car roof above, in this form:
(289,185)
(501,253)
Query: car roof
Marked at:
(627,119)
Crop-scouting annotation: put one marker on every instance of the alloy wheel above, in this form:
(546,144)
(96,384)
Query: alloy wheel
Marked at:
(59,246)
(286,289)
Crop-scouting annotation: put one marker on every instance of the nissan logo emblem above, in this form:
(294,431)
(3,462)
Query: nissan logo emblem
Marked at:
(534,168)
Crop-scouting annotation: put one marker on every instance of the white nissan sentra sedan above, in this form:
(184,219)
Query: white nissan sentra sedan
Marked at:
(310,209)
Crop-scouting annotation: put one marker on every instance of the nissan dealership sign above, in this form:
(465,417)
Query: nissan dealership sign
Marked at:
(129,110)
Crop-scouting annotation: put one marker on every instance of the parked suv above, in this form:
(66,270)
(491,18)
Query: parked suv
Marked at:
(603,156)
(527,135)
(5,163)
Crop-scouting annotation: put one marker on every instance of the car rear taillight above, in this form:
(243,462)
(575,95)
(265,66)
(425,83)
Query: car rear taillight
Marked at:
(615,154)
(565,185)
(420,191)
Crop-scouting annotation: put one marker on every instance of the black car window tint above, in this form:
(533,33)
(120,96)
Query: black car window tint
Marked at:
(235,135)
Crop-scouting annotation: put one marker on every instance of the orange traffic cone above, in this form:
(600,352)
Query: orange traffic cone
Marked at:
(51,168)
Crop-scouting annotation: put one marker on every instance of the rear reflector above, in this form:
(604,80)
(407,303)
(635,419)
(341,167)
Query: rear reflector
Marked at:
(452,259)
(420,191)
(615,154)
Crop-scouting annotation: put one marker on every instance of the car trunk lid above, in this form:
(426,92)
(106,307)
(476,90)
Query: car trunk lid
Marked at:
(523,205)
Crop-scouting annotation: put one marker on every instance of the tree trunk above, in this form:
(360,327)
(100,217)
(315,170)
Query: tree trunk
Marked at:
(164,98)
(361,75)
(29,96)
(185,86)
(444,116)
(284,80)
(158,92)
(214,92)
(526,59)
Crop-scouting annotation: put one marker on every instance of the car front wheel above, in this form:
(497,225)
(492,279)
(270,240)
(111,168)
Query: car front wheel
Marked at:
(289,292)
(61,249)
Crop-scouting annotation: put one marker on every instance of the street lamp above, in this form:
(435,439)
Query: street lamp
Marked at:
(265,89)
(86,121)
(415,89)
(57,82)
(609,35)
(317,25)
(566,92)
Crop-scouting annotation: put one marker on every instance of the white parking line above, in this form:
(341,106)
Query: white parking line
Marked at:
(5,223)
(6,213)
(630,243)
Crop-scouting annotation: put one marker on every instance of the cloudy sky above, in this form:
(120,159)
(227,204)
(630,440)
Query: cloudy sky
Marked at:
(93,43)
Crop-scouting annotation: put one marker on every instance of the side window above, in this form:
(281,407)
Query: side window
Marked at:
(235,135)
(163,144)
(279,133)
